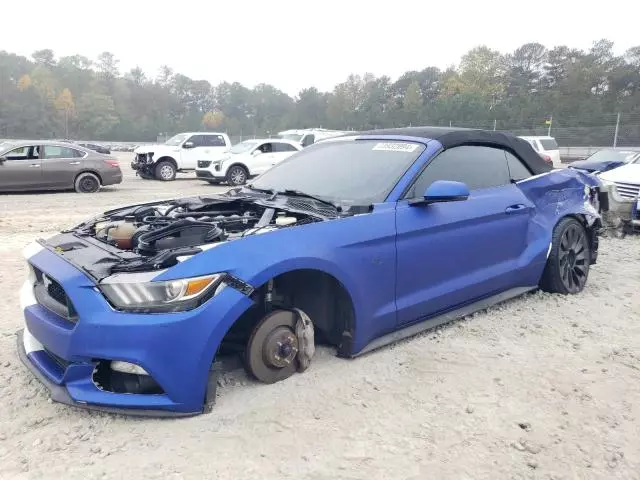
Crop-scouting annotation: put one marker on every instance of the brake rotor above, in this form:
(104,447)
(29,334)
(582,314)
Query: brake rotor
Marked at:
(273,347)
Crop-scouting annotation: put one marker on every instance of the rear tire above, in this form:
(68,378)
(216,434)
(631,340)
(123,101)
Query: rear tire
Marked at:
(567,268)
(165,171)
(87,183)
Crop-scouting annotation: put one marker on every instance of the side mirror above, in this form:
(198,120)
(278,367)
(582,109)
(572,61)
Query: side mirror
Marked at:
(188,145)
(256,152)
(443,191)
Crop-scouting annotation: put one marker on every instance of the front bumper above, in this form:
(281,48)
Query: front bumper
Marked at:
(60,394)
(177,349)
(210,175)
(143,168)
(622,207)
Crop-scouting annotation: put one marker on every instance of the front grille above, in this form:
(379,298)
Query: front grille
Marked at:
(55,291)
(50,294)
(203,163)
(143,158)
(627,190)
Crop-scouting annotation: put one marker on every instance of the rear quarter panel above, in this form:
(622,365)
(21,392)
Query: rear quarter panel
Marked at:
(556,194)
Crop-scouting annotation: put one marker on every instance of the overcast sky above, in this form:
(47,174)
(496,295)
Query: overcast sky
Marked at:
(295,44)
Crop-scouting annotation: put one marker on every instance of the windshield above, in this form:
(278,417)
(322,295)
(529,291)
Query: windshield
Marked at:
(346,172)
(296,137)
(176,140)
(243,147)
(625,156)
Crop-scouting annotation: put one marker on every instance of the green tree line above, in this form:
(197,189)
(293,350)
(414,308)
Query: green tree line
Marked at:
(82,98)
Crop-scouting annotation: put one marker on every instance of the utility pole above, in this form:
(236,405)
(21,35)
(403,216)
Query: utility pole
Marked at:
(550,122)
(66,123)
(615,135)
(494,124)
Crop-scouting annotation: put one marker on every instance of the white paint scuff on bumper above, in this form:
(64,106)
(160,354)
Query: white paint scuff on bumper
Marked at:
(27,298)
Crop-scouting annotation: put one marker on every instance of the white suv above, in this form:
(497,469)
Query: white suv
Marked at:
(623,187)
(310,136)
(547,148)
(180,153)
(246,159)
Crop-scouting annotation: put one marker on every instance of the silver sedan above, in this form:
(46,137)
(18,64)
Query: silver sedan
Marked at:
(48,165)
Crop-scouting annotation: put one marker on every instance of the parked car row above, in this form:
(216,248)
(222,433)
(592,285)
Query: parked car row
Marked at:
(214,159)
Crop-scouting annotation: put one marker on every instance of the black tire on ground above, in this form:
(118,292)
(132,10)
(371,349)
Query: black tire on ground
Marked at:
(567,268)
(87,183)
(272,347)
(237,175)
(165,171)
(214,182)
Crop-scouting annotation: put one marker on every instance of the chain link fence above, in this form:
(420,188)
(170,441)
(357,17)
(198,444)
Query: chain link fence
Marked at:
(616,130)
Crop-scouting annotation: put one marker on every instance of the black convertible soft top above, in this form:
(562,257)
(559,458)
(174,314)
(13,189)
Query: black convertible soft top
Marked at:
(453,137)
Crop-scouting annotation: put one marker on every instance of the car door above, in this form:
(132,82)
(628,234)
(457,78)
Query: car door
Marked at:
(214,147)
(281,151)
(20,168)
(60,165)
(451,254)
(262,162)
(192,150)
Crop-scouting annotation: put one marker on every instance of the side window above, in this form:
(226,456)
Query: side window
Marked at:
(534,144)
(214,141)
(54,151)
(308,140)
(477,167)
(266,147)
(283,147)
(22,153)
(198,140)
(517,170)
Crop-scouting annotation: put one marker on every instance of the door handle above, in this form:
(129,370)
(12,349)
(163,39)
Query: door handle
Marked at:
(33,165)
(515,208)
(74,163)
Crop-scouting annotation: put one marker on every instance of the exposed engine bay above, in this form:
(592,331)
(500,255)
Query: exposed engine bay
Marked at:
(156,235)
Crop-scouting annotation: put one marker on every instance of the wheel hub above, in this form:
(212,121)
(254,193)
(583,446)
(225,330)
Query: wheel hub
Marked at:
(573,259)
(237,176)
(280,347)
(166,171)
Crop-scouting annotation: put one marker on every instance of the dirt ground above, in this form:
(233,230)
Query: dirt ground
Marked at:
(542,387)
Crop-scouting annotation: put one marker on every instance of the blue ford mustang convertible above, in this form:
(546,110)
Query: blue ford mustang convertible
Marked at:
(354,242)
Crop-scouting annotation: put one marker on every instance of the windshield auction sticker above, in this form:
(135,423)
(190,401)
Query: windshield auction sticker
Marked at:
(396,147)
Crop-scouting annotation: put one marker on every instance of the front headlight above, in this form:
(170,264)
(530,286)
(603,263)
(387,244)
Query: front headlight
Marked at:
(606,184)
(137,292)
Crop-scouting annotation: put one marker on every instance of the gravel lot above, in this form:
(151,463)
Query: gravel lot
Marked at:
(543,387)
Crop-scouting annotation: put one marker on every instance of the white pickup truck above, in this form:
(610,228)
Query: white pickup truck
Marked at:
(180,153)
